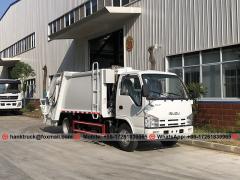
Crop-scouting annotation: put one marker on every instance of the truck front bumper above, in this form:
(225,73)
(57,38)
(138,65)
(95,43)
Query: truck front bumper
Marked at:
(174,131)
(10,105)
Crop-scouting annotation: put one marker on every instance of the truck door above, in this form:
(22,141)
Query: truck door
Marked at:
(129,102)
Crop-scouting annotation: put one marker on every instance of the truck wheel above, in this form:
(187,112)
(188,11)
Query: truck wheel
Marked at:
(169,143)
(124,142)
(66,126)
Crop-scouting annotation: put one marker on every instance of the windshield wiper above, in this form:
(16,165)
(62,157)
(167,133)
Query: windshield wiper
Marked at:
(168,93)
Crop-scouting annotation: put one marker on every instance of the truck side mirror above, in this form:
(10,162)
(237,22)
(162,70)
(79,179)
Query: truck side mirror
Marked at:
(47,101)
(145,91)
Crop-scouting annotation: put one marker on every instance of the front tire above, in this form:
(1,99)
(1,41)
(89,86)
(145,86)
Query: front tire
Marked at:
(125,142)
(66,126)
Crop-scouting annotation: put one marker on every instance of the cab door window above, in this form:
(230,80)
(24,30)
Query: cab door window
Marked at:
(130,86)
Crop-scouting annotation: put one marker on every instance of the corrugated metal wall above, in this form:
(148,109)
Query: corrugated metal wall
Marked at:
(182,26)
(28,16)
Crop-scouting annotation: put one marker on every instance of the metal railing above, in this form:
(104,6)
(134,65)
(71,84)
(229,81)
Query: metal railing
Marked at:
(84,10)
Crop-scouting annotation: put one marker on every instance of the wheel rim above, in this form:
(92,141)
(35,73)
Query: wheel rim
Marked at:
(66,126)
(125,140)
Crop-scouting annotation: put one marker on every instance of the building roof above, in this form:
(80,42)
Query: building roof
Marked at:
(9,8)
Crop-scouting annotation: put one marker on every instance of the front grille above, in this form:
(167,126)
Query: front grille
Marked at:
(173,120)
(161,123)
(8,97)
(173,124)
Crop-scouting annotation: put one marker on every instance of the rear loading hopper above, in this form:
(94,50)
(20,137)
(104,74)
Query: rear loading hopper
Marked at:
(84,93)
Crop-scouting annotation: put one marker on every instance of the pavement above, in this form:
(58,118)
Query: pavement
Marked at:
(72,160)
(213,145)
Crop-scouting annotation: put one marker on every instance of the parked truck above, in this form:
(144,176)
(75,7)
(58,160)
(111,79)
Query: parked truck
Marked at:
(122,101)
(10,95)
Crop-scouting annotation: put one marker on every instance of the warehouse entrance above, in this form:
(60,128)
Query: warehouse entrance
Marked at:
(107,50)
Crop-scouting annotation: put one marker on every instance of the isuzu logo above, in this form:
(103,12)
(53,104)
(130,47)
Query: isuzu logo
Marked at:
(174,113)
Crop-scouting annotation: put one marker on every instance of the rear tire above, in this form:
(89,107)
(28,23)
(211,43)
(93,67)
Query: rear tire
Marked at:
(66,126)
(124,142)
(169,143)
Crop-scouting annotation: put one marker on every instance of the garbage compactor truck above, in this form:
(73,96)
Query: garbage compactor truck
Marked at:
(121,101)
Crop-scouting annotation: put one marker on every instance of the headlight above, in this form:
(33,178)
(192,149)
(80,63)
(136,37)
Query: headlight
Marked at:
(19,104)
(151,122)
(190,119)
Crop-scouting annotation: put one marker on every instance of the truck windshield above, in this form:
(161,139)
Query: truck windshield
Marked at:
(9,88)
(164,87)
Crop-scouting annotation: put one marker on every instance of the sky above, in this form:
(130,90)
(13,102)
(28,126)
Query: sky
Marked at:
(4,5)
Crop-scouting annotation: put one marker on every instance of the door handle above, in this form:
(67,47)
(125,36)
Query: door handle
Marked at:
(121,107)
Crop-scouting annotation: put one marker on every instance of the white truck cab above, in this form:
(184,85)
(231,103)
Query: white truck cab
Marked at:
(154,102)
(122,101)
(10,95)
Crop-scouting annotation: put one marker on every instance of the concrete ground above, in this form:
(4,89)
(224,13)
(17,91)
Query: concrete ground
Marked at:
(68,159)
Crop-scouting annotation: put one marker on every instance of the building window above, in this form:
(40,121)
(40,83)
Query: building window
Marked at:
(19,47)
(62,19)
(67,23)
(72,20)
(192,75)
(231,53)
(58,25)
(231,71)
(206,67)
(108,2)
(125,2)
(30,88)
(82,12)
(212,80)
(191,59)
(54,27)
(28,42)
(88,8)
(175,61)
(77,14)
(178,72)
(116,3)
(211,56)
(231,79)
(94,6)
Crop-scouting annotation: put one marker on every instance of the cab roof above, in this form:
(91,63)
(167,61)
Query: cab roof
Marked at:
(126,71)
